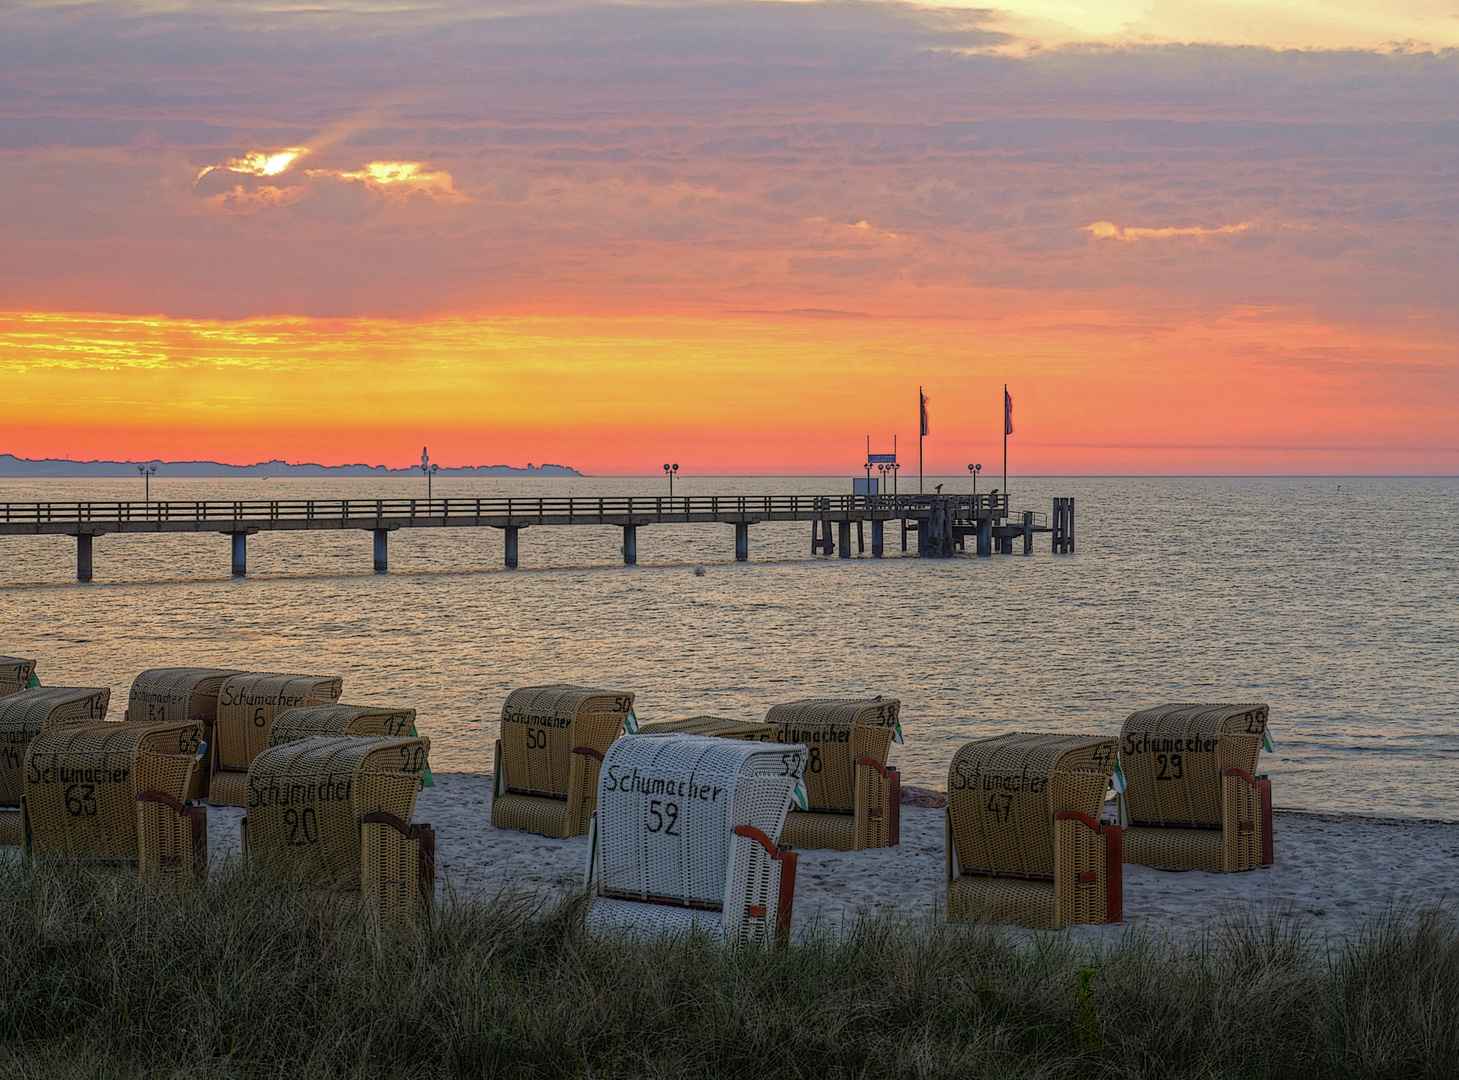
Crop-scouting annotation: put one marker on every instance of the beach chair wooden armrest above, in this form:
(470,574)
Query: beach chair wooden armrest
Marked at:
(878,804)
(421,837)
(785,900)
(1088,861)
(589,751)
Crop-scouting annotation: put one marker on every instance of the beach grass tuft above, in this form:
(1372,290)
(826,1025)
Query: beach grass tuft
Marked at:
(252,976)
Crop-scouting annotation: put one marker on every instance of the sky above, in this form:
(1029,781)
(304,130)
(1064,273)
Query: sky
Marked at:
(1190,237)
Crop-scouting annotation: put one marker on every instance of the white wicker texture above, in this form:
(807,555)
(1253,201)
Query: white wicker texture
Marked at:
(668,807)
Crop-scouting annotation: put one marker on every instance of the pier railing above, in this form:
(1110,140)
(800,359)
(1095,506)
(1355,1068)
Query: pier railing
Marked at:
(584,508)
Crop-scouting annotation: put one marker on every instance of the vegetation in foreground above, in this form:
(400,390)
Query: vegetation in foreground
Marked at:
(246,976)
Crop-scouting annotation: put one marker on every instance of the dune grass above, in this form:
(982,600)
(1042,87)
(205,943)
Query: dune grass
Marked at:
(246,976)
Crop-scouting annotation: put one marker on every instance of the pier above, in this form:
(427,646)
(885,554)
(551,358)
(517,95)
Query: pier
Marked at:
(936,525)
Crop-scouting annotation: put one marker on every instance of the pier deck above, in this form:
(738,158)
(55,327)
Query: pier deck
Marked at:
(940,522)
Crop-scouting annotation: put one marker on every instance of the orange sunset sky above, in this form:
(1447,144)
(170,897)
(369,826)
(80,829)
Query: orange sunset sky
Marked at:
(1191,237)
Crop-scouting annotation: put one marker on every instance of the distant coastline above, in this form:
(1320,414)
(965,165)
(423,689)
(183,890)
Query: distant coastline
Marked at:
(15,467)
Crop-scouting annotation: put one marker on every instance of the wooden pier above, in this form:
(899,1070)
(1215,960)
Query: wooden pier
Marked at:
(940,525)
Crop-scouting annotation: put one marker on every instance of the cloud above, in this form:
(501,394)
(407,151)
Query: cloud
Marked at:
(1108,230)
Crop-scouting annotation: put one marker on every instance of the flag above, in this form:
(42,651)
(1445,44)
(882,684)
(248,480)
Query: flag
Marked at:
(800,795)
(1007,413)
(630,726)
(1118,779)
(923,396)
(1266,741)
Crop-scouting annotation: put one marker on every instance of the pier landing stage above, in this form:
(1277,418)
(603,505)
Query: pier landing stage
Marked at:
(941,524)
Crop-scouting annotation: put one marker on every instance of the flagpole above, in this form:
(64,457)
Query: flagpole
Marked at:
(1005,444)
(921,412)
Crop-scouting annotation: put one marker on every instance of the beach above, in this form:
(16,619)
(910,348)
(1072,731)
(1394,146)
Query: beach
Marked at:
(1335,873)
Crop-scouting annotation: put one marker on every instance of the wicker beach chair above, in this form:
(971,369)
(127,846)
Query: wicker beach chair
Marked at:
(335,811)
(1024,842)
(716,726)
(171,695)
(1193,799)
(117,792)
(855,800)
(23,716)
(545,775)
(247,706)
(375,720)
(686,835)
(15,674)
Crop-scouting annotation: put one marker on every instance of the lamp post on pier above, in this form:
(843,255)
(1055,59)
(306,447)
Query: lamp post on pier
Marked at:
(975,470)
(430,471)
(147,471)
(671,471)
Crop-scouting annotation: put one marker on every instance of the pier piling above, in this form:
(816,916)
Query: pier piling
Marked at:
(860,538)
(843,538)
(1028,532)
(83,556)
(985,537)
(511,546)
(877,545)
(382,550)
(240,554)
(1063,527)
(630,545)
(742,541)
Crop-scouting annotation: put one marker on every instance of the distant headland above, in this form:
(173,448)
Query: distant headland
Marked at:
(12,466)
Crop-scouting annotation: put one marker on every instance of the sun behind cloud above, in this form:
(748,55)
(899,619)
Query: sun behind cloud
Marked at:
(1108,230)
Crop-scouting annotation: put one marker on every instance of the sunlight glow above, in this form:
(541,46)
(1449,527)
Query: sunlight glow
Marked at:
(260,163)
(1108,230)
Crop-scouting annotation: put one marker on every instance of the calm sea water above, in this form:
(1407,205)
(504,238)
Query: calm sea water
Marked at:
(1335,601)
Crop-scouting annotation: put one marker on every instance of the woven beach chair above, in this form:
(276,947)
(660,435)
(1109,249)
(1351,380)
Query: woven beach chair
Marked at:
(1193,799)
(686,837)
(23,716)
(172,695)
(716,726)
(117,792)
(15,674)
(335,811)
(247,706)
(375,720)
(855,800)
(1024,840)
(545,774)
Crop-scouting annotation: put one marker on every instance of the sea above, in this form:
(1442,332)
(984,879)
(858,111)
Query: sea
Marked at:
(1335,600)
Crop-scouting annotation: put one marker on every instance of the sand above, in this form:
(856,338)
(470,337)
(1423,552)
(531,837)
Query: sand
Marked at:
(1334,872)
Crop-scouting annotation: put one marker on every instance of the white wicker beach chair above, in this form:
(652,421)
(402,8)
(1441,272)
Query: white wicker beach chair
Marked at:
(686,834)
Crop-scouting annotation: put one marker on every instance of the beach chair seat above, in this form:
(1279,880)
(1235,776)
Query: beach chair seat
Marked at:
(854,798)
(717,726)
(335,811)
(685,838)
(117,793)
(15,674)
(314,720)
(1193,799)
(248,704)
(24,715)
(1023,837)
(176,694)
(545,768)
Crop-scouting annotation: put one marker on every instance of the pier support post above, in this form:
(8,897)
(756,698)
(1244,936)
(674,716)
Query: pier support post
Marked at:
(985,537)
(742,541)
(240,554)
(630,545)
(860,538)
(876,539)
(904,536)
(843,538)
(511,546)
(382,550)
(1063,526)
(1028,532)
(83,556)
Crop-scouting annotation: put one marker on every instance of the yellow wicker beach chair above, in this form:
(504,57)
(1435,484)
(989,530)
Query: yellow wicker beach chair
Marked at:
(854,798)
(247,706)
(1024,841)
(117,792)
(716,726)
(15,674)
(1193,799)
(23,716)
(375,720)
(685,838)
(545,774)
(171,695)
(335,811)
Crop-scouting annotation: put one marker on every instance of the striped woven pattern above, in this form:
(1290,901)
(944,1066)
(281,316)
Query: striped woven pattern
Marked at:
(716,726)
(170,695)
(306,798)
(247,707)
(25,714)
(82,783)
(1009,859)
(836,731)
(378,720)
(666,854)
(1173,757)
(1236,845)
(14,674)
(552,739)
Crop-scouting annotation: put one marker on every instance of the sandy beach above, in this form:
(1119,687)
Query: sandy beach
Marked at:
(1335,872)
